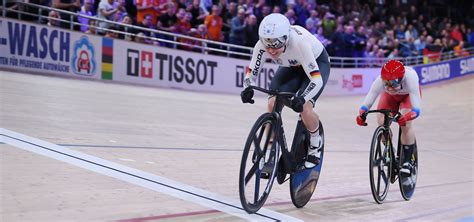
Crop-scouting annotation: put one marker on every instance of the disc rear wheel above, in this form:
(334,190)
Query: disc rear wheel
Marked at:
(407,183)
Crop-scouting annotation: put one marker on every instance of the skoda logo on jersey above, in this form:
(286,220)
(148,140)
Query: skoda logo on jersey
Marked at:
(83,59)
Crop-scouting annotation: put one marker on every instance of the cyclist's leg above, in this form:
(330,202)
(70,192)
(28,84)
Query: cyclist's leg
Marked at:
(408,137)
(309,116)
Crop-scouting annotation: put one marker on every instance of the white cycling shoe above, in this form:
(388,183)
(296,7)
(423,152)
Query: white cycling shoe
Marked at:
(314,152)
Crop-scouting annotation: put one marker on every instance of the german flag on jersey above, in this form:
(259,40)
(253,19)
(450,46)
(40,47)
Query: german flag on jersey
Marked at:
(315,74)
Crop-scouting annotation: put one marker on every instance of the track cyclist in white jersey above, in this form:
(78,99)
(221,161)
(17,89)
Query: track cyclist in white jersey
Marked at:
(399,89)
(304,70)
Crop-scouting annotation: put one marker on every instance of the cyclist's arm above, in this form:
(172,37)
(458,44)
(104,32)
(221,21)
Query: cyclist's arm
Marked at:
(375,90)
(256,63)
(414,92)
(311,69)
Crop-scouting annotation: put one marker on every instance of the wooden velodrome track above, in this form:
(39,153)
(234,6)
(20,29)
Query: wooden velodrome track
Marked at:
(76,150)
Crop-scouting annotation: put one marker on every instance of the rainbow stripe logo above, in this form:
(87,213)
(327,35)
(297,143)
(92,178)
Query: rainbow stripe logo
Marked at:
(107,58)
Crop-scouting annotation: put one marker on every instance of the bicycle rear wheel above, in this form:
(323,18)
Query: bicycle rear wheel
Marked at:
(303,182)
(408,183)
(380,164)
(258,165)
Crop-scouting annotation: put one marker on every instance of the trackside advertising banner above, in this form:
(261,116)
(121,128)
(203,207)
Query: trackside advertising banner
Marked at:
(37,48)
(144,64)
(446,70)
(165,67)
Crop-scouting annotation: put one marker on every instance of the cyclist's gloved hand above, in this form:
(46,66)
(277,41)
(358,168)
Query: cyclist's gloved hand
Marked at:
(360,118)
(297,104)
(246,95)
(402,121)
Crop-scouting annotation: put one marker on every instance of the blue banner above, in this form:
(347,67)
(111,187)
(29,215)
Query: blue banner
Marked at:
(446,70)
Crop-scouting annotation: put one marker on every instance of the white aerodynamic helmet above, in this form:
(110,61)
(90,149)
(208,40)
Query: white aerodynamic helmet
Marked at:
(274,31)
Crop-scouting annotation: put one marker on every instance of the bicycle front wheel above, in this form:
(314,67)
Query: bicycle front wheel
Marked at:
(380,164)
(259,163)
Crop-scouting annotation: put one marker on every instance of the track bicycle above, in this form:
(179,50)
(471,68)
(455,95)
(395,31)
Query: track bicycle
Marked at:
(262,162)
(385,163)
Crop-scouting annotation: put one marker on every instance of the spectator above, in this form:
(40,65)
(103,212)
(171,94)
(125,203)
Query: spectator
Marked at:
(183,27)
(320,36)
(310,26)
(349,41)
(408,48)
(411,32)
(53,19)
(360,42)
(470,37)
(329,24)
(214,24)
(276,9)
(126,32)
(86,9)
(147,7)
(314,20)
(420,44)
(250,31)
(141,38)
(400,32)
(105,11)
(198,13)
(146,23)
(118,16)
(456,33)
(167,22)
(227,16)
(111,32)
(237,28)
(459,50)
(91,29)
(290,14)
(72,6)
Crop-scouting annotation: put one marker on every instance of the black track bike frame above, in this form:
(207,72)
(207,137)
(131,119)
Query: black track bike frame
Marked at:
(282,99)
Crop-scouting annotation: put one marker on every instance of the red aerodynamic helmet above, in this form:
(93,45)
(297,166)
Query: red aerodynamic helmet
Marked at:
(393,70)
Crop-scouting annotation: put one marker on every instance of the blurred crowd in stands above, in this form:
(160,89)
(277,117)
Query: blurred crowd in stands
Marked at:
(348,28)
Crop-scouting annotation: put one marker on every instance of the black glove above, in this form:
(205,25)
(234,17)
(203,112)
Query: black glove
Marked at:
(297,104)
(246,95)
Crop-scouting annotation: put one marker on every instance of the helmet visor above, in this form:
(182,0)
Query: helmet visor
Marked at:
(274,43)
(392,83)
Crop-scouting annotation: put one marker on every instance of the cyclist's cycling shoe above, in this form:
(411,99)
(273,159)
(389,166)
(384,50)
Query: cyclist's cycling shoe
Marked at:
(314,152)
(267,171)
(406,169)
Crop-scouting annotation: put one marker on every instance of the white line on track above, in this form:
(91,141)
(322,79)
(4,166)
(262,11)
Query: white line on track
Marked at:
(137,177)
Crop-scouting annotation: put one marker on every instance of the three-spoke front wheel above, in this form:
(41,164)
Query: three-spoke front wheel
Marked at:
(259,163)
(380,164)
